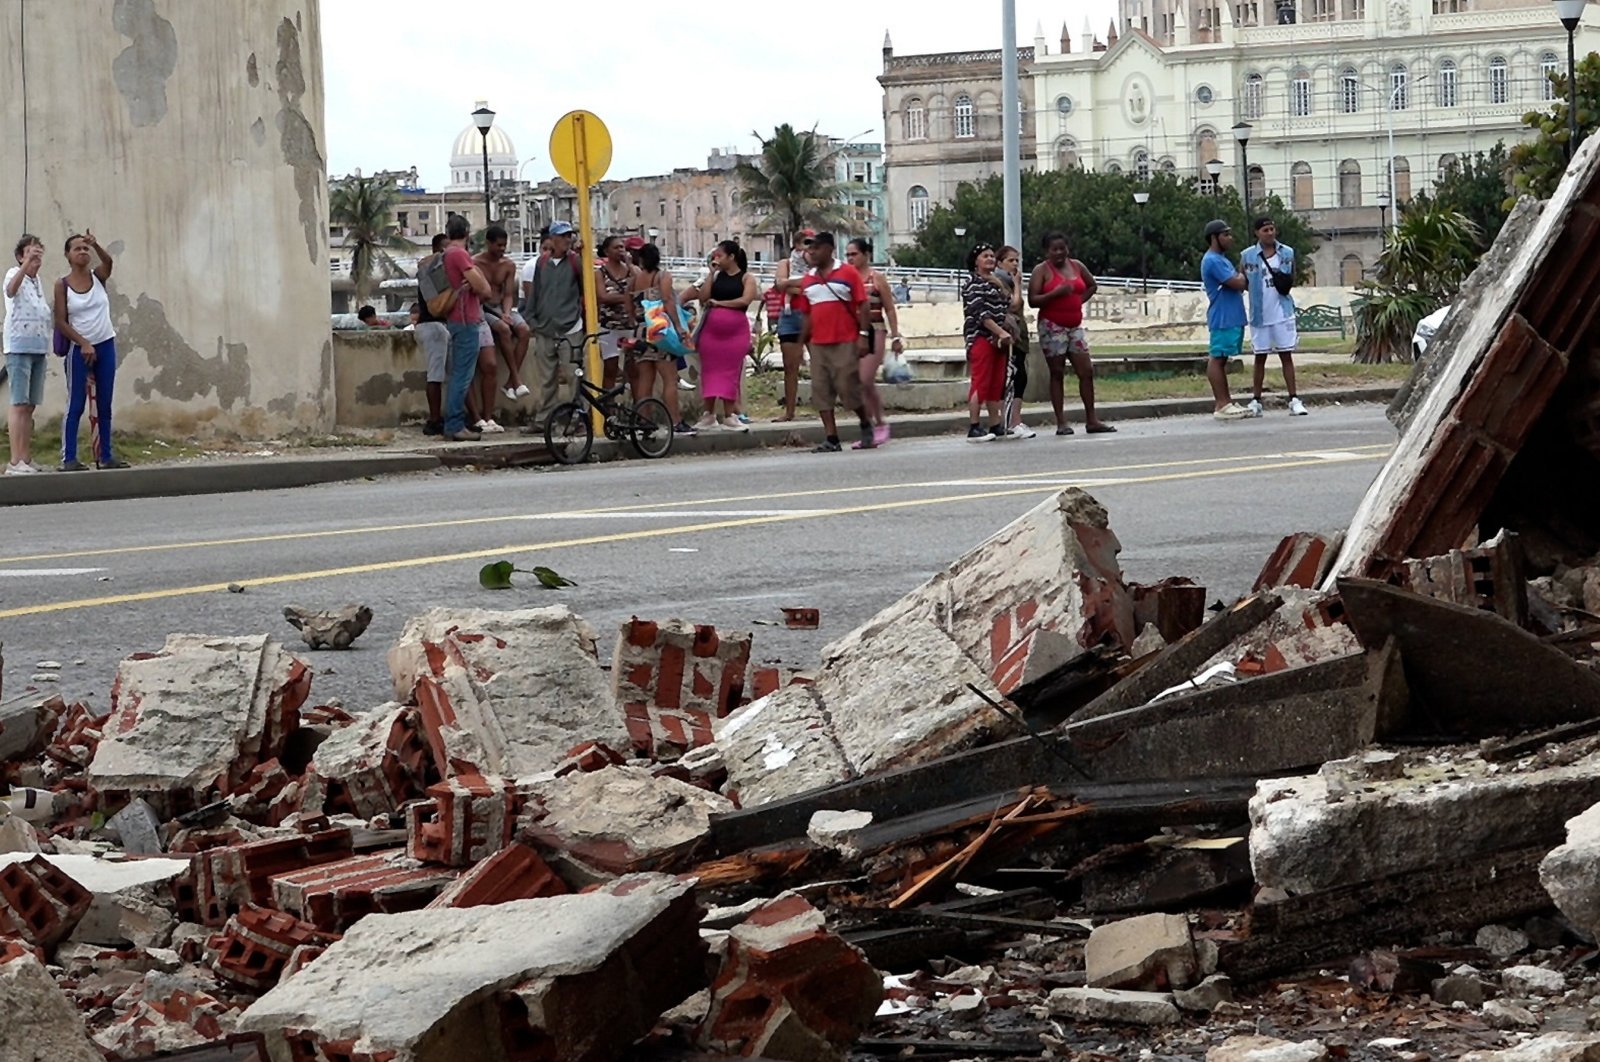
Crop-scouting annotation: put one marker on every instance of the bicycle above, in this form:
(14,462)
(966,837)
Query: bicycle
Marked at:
(569,430)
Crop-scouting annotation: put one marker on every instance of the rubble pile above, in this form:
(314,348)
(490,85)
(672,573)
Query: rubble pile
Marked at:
(1029,810)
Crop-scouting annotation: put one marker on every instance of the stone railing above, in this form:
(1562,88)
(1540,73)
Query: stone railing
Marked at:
(991,56)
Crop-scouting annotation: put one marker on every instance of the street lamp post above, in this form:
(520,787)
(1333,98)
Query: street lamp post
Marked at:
(1570,12)
(1241,133)
(483,118)
(1215,167)
(1383,215)
(960,231)
(1143,198)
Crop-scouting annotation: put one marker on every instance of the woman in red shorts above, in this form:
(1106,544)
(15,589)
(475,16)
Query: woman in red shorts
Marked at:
(988,343)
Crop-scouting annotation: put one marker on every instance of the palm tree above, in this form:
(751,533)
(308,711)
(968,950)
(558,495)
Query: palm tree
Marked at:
(793,184)
(364,207)
(1425,262)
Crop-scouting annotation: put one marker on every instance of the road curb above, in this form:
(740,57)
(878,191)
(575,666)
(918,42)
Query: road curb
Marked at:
(227,477)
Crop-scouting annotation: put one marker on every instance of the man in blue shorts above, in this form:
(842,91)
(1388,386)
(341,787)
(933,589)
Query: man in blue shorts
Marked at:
(1225,318)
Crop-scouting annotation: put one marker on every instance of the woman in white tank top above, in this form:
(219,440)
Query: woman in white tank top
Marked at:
(83,318)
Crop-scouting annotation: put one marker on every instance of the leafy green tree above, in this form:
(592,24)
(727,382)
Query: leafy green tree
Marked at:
(794,183)
(1428,256)
(1475,188)
(364,207)
(1537,164)
(1098,213)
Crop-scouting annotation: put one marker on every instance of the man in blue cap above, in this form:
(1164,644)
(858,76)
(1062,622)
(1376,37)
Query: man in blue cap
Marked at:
(552,293)
(1225,318)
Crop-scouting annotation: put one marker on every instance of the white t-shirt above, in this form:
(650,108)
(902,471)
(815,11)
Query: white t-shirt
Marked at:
(29,323)
(1272,312)
(90,312)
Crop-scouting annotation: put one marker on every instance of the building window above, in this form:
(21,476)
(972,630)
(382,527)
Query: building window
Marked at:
(678,209)
(963,114)
(1067,154)
(916,119)
(1258,184)
(1168,166)
(1254,96)
(638,209)
(1449,95)
(1402,180)
(1063,105)
(1448,164)
(1349,183)
(1022,116)
(1141,164)
(1548,65)
(1399,88)
(1204,95)
(861,172)
(918,207)
(1351,271)
(662,206)
(1499,80)
(1301,187)
(1112,167)
(1349,91)
(1451,7)
(1300,94)
(1319,11)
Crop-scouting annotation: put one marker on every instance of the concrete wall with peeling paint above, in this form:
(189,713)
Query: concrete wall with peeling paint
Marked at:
(188,134)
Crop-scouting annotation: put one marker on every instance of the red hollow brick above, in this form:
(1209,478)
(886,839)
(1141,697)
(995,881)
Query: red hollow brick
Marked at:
(514,873)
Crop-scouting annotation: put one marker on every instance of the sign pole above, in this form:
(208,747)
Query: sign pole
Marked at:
(591,307)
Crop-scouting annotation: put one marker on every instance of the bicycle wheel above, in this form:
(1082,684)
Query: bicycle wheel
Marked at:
(651,428)
(569,433)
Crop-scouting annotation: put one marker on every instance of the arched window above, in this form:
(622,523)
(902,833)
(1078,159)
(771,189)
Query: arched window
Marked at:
(1449,93)
(1448,164)
(916,119)
(1113,167)
(1066,154)
(1349,183)
(1255,90)
(1168,166)
(963,116)
(1301,187)
(1258,184)
(1300,94)
(1141,164)
(1349,90)
(1499,80)
(1548,65)
(918,204)
(1351,270)
(1402,180)
(1399,87)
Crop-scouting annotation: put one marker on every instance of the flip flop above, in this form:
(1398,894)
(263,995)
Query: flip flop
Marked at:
(1099,429)
(1065,429)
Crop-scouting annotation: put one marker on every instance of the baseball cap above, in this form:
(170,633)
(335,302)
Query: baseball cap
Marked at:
(633,243)
(1214,228)
(561,228)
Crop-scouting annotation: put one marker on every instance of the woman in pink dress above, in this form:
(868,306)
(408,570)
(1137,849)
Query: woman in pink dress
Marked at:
(724,337)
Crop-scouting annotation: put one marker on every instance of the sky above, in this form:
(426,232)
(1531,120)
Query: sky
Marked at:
(671,81)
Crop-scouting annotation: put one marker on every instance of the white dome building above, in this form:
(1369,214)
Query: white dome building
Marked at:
(466,158)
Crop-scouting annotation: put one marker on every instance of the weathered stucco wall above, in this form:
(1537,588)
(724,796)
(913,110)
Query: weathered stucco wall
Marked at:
(188,135)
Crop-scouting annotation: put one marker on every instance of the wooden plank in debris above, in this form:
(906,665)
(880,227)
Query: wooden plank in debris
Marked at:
(1180,660)
(1319,928)
(1501,750)
(1174,878)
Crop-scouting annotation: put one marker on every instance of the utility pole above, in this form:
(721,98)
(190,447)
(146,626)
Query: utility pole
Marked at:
(1011,115)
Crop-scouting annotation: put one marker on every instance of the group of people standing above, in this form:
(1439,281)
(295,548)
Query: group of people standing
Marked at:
(72,321)
(1266,272)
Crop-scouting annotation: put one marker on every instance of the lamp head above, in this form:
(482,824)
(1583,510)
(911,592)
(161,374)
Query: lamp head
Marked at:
(483,118)
(1214,167)
(1241,133)
(1141,198)
(1570,12)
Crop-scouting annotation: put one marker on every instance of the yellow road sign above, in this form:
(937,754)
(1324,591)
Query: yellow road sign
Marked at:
(580,145)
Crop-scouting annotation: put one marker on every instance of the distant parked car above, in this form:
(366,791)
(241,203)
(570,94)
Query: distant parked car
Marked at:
(1426,329)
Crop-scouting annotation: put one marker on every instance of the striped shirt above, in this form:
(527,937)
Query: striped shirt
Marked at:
(983,300)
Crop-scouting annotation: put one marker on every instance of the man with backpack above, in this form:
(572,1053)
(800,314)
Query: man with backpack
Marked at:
(552,296)
(452,288)
(1269,270)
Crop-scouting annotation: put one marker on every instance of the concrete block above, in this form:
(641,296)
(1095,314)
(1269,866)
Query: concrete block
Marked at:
(789,989)
(371,767)
(1153,951)
(1571,873)
(1464,988)
(189,722)
(764,680)
(673,678)
(1258,1048)
(229,877)
(780,745)
(26,724)
(505,693)
(513,873)
(1114,1006)
(256,945)
(41,1024)
(335,896)
(466,819)
(130,899)
(1317,832)
(578,978)
(620,819)
(1307,628)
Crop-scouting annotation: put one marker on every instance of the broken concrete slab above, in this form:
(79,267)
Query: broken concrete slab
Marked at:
(190,721)
(1308,628)
(1527,981)
(505,693)
(1571,872)
(1258,1048)
(1320,831)
(1113,1005)
(1206,996)
(580,976)
(329,629)
(1550,1047)
(674,679)
(1149,952)
(370,767)
(26,724)
(131,900)
(41,1024)
(619,819)
(1169,877)
(789,989)
(780,746)
(1489,577)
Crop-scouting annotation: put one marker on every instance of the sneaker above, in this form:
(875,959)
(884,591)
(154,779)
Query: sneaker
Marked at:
(510,393)
(684,384)
(21,468)
(705,423)
(1297,408)
(522,391)
(732,424)
(998,432)
(1022,431)
(433,427)
(1232,411)
(977,434)
(489,427)
(33,465)
(826,446)
(880,434)
(683,427)
(1255,407)
(72,466)
(866,442)
(741,418)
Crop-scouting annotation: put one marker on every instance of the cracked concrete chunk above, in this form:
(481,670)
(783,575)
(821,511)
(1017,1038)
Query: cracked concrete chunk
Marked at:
(1571,873)
(1153,951)
(620,818)
(779,746)
(41,1024)
(1113,1005)
(329,629)
(1266,1049)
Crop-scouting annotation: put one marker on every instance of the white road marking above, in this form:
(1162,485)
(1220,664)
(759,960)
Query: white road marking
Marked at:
(1328,455)
(670,514)
(42,573)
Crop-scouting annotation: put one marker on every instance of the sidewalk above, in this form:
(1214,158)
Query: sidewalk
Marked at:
(420,454)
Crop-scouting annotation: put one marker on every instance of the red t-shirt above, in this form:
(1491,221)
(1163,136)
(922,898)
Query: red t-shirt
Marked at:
(832,301)
(1066,311)
(467,309)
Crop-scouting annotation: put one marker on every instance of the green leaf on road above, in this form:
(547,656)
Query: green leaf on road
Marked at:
(496,576)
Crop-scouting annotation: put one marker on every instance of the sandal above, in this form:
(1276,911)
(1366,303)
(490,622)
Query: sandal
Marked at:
(1099,428)
(1065,429)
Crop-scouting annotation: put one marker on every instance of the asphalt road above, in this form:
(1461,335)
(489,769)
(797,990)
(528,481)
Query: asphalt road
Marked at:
(726,539)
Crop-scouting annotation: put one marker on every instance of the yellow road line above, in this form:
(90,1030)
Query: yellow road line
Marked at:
(629,536)
(424,525)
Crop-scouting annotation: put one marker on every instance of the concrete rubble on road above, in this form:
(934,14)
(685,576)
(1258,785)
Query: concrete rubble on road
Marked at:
(1030,809)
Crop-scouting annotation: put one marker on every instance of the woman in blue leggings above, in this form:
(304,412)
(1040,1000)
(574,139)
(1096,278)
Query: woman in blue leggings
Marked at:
(83,316)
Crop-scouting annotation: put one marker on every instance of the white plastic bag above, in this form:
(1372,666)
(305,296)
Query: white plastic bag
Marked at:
(895,369)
